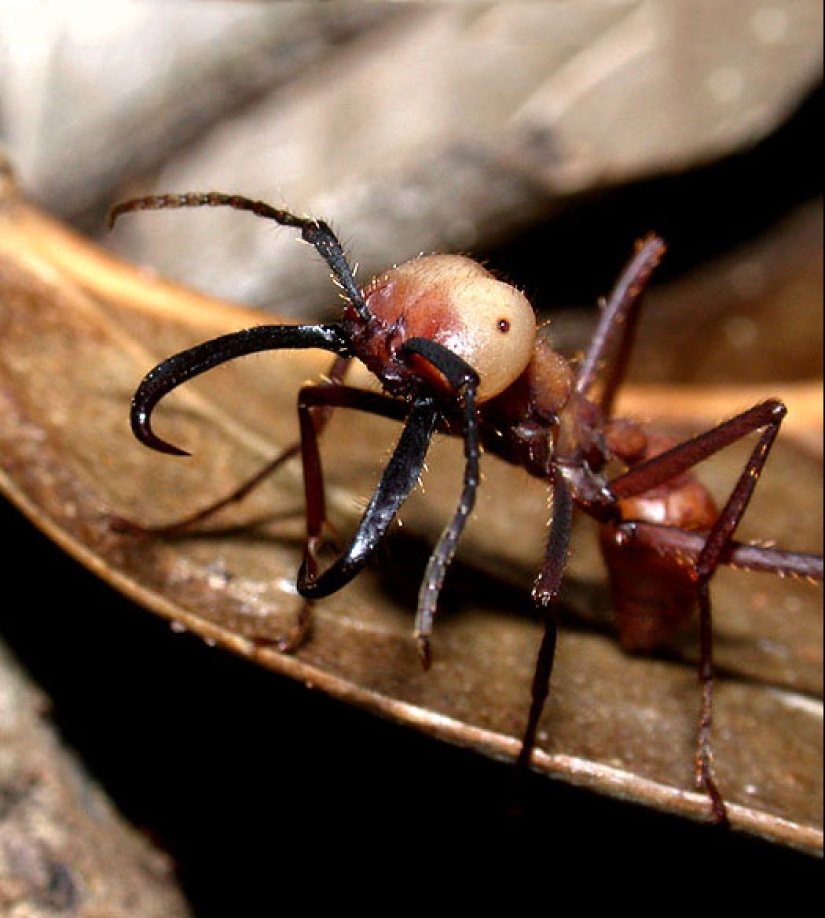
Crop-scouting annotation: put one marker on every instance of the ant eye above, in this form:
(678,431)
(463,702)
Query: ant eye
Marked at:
(457,303)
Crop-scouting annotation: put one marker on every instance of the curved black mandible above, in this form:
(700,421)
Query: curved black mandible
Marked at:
(187,364)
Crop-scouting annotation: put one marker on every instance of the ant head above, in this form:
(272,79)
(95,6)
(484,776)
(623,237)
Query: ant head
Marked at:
(457,303)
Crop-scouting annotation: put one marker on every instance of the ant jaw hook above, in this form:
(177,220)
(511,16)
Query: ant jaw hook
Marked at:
(148,394)
(142,429)
(185,365)
(153,387)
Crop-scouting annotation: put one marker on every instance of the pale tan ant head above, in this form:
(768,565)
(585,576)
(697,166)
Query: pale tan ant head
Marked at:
(456,302)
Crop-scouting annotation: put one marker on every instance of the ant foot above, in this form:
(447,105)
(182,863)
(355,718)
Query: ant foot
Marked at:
(292,640)
(707,783)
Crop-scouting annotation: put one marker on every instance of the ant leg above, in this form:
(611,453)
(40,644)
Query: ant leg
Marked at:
(671,463)
(397,480)
(665,467)
(685,545)
(198,516)
(464,381)
(321,418)
(708,561)
(315,401)
(315,232)
(545,596)
(617,324)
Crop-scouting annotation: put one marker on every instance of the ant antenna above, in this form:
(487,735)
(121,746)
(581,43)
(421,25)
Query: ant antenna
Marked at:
(316,232)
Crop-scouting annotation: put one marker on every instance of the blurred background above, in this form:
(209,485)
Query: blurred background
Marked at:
(541,137)
(544,136)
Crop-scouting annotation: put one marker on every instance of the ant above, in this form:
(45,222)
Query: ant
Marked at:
(458,352)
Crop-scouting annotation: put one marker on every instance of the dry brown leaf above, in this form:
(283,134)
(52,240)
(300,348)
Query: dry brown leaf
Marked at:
(79,330)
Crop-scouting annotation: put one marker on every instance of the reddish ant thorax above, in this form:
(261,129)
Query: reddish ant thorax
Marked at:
(541,419)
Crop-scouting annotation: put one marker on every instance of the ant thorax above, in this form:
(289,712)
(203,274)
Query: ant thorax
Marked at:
(541,419)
